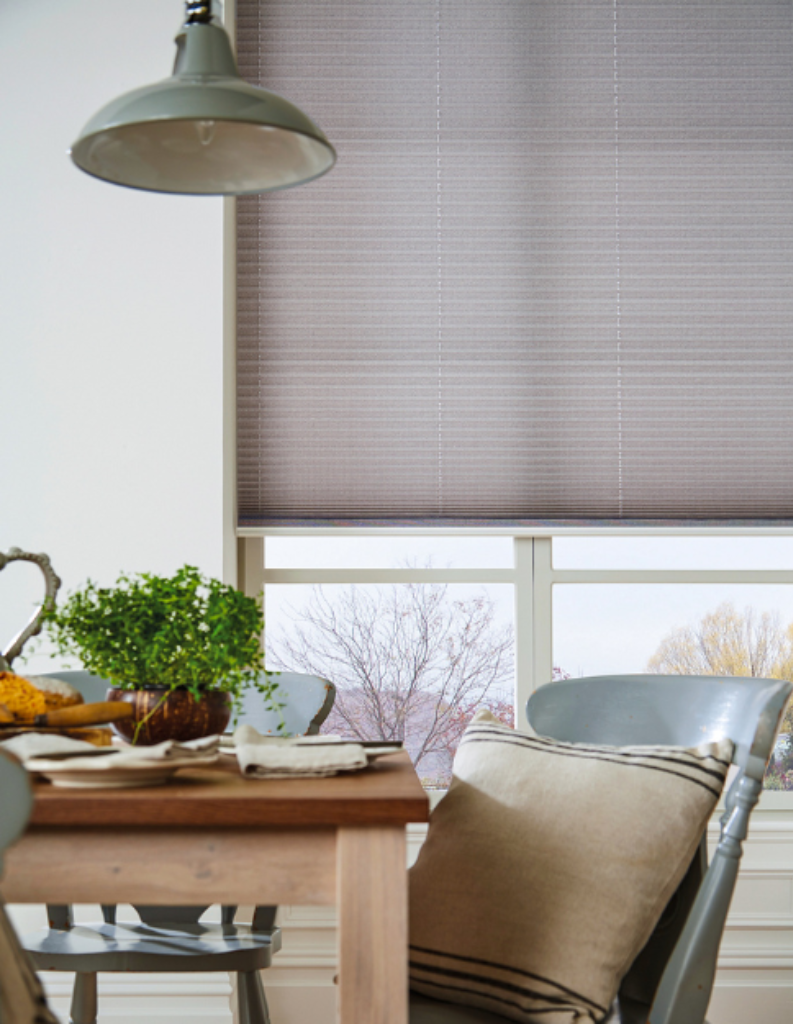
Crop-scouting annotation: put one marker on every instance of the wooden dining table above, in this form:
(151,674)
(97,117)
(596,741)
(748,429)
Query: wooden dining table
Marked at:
(211,836)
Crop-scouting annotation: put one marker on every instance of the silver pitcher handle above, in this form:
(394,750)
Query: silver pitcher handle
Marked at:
(51,585)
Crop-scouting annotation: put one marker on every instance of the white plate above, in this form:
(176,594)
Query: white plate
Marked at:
(84,776)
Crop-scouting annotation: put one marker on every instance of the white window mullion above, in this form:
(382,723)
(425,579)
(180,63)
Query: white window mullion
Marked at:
(524,623)
(543,612)
(250,568)
(250,565)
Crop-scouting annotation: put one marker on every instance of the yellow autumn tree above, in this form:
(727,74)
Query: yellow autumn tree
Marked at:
(726,642)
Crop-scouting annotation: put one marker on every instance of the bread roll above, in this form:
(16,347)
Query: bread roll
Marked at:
(21,698)
(57,693)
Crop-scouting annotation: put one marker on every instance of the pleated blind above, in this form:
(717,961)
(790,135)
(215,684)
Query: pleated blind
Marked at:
(549,278)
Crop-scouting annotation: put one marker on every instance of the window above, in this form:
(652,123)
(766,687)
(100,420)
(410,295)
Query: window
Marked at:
(357,609)
(415,632)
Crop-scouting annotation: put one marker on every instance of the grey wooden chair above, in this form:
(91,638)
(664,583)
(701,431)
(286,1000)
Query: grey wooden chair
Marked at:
(17,801)
(672,978)
(174,939)
(22,999)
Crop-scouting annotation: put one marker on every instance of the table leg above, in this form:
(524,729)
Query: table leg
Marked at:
(371,883)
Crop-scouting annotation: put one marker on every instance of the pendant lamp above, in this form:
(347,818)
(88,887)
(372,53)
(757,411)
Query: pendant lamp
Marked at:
(204,131)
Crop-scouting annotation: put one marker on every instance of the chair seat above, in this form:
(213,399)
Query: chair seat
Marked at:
(150,948)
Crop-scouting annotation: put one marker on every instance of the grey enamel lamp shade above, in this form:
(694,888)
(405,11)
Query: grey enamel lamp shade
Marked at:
(204,131)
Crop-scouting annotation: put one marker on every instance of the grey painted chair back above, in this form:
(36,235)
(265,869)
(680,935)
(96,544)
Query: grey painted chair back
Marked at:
(22,999)
(679,710)
(685,711)
(93,688)
(16,801)
(307,702)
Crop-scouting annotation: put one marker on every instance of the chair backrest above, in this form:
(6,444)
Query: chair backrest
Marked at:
(675,710)
(16,801)
(306,701)
(674,973)
(93,688)
(21,995)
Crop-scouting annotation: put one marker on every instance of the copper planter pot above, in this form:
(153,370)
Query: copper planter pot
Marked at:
(173,715)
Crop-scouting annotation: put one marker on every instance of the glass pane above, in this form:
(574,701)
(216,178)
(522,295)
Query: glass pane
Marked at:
(690,629)
(673,552)
(345,552)
(410,662)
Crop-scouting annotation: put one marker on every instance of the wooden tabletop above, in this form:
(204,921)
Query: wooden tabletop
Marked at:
(387,792)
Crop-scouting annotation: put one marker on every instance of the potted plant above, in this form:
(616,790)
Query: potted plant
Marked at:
(182,649)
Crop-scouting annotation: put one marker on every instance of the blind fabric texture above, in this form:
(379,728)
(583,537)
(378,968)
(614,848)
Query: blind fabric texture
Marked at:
(549,278)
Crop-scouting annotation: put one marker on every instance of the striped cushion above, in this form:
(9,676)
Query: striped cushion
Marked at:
(547,866)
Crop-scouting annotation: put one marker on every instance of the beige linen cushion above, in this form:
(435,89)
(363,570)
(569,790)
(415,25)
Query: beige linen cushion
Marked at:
(547,866)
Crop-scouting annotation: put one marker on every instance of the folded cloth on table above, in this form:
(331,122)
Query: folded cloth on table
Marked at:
(34,748)
(42,744)
(304,757)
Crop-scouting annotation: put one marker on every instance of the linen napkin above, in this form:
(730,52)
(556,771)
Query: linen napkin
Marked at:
(303,757)
(41,744)
(35,750)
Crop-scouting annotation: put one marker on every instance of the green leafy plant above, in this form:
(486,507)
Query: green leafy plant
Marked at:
(174,631)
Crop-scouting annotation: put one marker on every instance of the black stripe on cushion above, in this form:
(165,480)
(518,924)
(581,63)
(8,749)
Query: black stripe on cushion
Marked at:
(486,997)
(617,759)
(503,984)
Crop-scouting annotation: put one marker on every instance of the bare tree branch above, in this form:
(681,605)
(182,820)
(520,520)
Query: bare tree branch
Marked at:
(406,660)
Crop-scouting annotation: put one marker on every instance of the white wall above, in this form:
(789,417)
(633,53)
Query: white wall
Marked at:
(110,357)
(110,318)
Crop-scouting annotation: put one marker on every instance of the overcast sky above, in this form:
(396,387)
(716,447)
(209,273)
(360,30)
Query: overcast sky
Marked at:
(597,629)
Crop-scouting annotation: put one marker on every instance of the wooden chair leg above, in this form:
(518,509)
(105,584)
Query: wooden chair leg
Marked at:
(84,1003)
(251,999)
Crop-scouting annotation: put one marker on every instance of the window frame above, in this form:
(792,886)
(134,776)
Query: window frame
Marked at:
(532,576)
